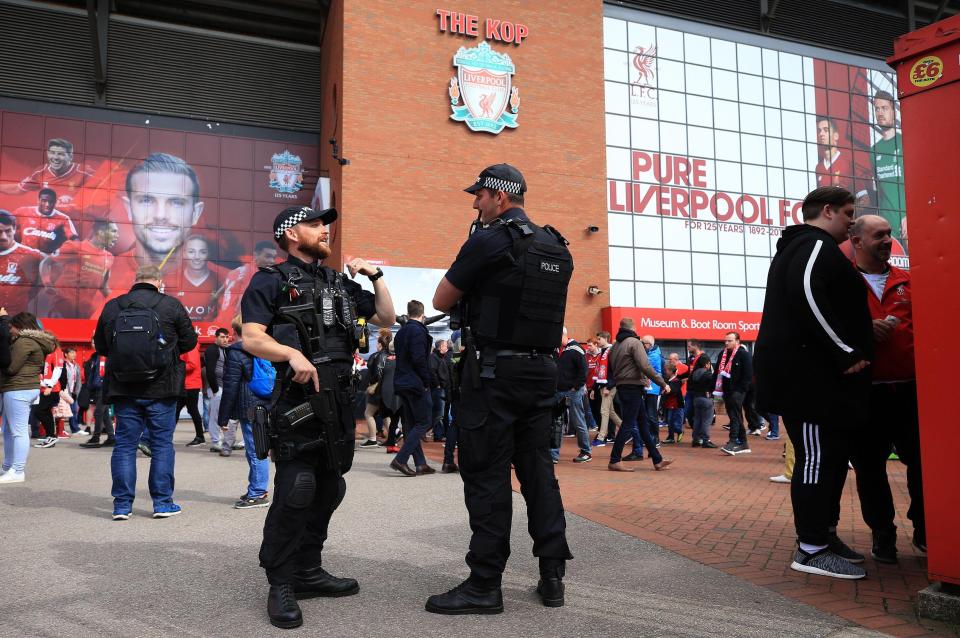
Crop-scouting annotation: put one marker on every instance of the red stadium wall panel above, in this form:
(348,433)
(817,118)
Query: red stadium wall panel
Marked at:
(85,201)
(928,68)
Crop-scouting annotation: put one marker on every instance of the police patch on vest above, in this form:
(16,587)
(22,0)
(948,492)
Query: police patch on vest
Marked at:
(546,266)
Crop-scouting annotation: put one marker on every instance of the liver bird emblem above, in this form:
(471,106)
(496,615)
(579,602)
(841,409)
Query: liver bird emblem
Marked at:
(643,61)
(486,104)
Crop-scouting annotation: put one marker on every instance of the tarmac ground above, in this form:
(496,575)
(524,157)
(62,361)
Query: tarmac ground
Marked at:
(69,570)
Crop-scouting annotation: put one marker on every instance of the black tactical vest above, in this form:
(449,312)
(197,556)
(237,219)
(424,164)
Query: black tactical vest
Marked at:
(315,314)
(520,302)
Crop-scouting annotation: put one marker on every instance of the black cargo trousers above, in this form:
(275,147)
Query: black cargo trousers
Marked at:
(507,420)
(306,491)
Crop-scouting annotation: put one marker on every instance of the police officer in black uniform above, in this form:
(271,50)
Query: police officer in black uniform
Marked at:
(303,316)
(509,284)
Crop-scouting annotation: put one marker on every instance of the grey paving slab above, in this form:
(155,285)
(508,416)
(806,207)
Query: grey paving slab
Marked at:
(68,570)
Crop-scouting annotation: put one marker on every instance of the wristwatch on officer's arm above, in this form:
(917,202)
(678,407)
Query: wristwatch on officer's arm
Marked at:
(376,275)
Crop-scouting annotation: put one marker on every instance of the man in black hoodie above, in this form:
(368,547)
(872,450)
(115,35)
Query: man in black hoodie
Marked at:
(571,385)
(811,358)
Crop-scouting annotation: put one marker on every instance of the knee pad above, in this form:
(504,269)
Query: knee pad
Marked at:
(304,486)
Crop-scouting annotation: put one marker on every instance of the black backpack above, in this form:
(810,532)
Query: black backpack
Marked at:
(138,350)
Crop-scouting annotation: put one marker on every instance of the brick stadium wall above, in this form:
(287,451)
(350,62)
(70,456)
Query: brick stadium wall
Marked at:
(401,195)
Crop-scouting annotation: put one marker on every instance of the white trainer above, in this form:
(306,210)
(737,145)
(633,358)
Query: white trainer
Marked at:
(13,476)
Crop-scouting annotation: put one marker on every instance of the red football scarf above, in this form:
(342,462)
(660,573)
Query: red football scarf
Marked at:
(726,364)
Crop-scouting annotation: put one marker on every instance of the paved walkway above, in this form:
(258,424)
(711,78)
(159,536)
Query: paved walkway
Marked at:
(723,511)
(68,570)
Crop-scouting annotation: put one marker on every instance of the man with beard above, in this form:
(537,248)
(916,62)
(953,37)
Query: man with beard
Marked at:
(302,316)
(199,279)
(835,167)
(893,394)
(76,277)
(43,226)
(163,203)
(887,161)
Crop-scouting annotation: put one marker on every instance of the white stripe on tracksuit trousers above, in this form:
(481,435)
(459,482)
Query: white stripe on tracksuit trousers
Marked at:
(822,452)
(811,445)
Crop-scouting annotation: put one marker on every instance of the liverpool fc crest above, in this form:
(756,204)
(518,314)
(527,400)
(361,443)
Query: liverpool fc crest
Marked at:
(286,175)
(484,81)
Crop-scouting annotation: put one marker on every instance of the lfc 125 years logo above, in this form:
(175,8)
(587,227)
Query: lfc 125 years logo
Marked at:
(286,172)
(484,81)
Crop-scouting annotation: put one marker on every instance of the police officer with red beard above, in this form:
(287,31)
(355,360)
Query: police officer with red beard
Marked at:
(303,316)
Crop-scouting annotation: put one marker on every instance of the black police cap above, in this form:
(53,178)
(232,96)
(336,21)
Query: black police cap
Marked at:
(293,215)
(500,177)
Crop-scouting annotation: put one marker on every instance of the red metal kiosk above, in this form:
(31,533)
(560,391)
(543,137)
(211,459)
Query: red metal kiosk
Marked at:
(928,79)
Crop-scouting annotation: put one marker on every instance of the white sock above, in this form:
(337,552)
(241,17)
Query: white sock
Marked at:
(811,549)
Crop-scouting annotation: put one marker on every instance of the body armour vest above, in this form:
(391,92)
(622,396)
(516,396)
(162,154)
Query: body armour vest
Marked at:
(315,314)
(521,302)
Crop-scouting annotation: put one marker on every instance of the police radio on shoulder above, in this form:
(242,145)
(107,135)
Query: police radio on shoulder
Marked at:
(376,275)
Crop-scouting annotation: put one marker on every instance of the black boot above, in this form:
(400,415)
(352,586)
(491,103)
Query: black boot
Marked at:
(315,582)
(885,547)
(94,442)
(550,587)
(467,598)
(282,607)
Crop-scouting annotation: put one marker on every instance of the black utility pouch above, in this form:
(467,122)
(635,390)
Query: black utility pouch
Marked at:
(261,437)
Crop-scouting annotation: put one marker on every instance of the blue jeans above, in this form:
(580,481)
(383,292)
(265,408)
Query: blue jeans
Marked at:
(575,409)
(631,405)
(16,427)
(774,420)
(675,421)
(259,476)
(588,412)
(74,422)
(650,403)
(451,442)
(436,397)
(154,420)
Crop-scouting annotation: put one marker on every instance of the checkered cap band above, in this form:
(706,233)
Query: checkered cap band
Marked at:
(498,184)
(292,221)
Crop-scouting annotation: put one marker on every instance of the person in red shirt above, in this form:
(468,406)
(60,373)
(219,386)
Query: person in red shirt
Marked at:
(835,167)
(673,404)
(893,420)
(190,397)
(199,280)
(43,226)
(163,203)
(230,293)
(603,394)
(60,172)
(19,267)
(76,277)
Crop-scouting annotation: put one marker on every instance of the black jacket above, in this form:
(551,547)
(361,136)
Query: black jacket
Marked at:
(237,400)
(571,367)
(741,371)
(177,330)
(210,358)
(440,369)
(701,383)
(816,324)
(412,344)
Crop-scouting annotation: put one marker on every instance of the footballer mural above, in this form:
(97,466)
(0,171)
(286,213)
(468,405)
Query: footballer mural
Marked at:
(82,209)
